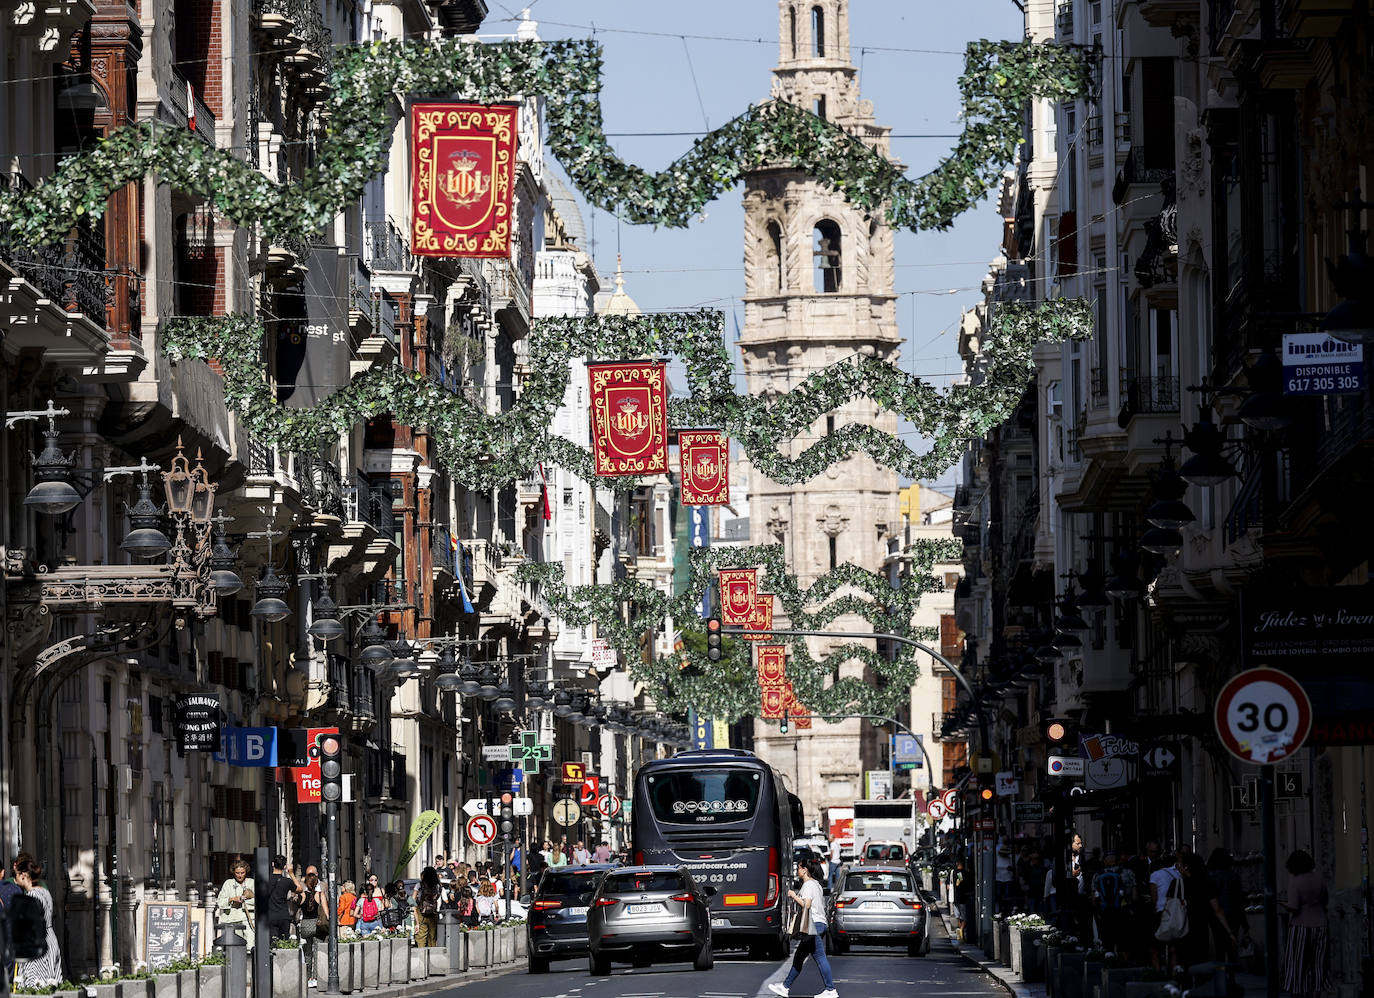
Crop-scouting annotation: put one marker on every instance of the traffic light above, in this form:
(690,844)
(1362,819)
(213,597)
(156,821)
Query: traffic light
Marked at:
(1058,731)
(713,649)
(784,722)
(985,794)
(506,822)
(986,783)
(329,747)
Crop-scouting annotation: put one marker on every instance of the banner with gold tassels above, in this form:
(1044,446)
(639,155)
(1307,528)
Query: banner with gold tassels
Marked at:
(463,169)
(704,464)
(629,418)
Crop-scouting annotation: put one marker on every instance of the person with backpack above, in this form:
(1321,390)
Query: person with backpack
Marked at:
(1113,893)
(38,961)
(427,901)
(371,904)
(467,908)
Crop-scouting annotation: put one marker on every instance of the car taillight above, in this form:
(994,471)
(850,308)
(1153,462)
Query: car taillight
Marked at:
(542,905)
(681,897)
(606,902)
(912,903)
(772,894)
(845,902)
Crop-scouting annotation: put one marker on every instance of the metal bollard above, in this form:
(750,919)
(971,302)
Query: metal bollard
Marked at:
(235,961)
(449,938)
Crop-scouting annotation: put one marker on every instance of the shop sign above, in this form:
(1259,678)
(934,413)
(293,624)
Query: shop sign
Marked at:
(1320,364)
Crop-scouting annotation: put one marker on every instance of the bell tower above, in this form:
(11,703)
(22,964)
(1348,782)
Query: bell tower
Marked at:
(818,289)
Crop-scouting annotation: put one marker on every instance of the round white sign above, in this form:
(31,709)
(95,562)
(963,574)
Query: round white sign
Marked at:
(1263,716)
(481,829)
(936,809)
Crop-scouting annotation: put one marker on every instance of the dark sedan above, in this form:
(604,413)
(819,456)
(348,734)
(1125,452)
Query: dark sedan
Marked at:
(875,903)
(645,914)
(557,921)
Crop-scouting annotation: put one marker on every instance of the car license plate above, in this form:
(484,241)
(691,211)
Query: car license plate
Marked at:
(877,905)
(720,923)
(575,911)
(643,909)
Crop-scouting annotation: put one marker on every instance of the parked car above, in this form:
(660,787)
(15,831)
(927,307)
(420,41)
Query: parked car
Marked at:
(557,924)
(878,903)
(648,914)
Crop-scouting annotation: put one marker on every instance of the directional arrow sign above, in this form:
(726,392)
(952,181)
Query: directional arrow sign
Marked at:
(475,806)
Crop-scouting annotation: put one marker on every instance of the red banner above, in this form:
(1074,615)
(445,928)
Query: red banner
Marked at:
(629,418)
(771,663)
(704,463)
(307,778)
(774,702)
(463,164)
(739,588)
(760,618)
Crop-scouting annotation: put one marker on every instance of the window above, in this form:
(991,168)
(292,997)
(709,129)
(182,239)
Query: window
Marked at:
(828,255)
(792,29)
(817,32)
(834,552)
(704,796)
(818,107)
(647,883)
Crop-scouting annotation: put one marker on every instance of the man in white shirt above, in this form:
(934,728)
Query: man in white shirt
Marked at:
(1160,882)
(835,849)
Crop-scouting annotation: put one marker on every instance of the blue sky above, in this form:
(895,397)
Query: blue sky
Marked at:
(681,67)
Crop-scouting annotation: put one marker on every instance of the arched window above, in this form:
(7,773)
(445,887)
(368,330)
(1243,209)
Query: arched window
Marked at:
(827,254)
(773,274)
(792,29)
(817,32)
(818,107)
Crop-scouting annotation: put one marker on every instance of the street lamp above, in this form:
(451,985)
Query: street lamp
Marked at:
(469,676)
(488,688)
(52,493)
(324,618)
(446,676)
(505,697)
(223,579)
(145,540)
(376,652)
(1353,319)
(269,590)
(1207,467)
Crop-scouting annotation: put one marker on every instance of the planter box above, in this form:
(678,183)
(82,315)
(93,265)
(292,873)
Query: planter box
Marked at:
(370,952)
(479,948)
(133,989)
(1143,989)
(68,994)
(104,990)
(210,982)
(286,973)
(1027,956)
(166,986)
(522,941)
(457,951)
(400,961)
(1051,970)
(419,962)
(1000,944)
(349,979)
(1092,978)
(1070,976)
(1115,979)
(505,946)
(186,984)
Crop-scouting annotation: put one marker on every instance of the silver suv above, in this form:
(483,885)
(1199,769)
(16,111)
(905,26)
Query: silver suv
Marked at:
(641,914)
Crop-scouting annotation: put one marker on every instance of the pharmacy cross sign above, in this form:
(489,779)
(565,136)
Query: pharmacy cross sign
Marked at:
(528,753)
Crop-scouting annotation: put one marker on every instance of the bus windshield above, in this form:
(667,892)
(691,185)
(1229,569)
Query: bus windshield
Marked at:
(704,796)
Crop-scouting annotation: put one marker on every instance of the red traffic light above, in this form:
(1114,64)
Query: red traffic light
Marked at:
(986,793)
(507,798)
(713,624)
(329,745)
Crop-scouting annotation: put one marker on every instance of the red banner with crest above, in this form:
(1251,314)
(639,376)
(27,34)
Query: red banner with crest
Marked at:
(463,168)
(629,418)
(760,618)
(774,702)
(771,663)
(738,589)
(704,463)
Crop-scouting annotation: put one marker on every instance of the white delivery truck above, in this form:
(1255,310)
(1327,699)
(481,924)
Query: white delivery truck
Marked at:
(882,825)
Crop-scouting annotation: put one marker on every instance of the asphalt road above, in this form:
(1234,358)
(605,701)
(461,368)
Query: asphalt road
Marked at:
(864,972)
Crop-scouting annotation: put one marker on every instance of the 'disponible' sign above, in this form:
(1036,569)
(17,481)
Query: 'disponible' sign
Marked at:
(1320,364)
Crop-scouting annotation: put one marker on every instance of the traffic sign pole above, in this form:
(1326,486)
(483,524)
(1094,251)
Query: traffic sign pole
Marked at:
(1271,885)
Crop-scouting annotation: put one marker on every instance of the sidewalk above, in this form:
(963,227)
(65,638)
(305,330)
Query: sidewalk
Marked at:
(442,983)
(1253,985)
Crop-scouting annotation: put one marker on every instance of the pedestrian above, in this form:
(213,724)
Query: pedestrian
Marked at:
(234,903)
(46,970)
(283,891)
(556,858)
(836,848)
(348,898)
(516,861)
(397,916)
(811,902)
(603,852)
(313,924)
(9,890)
(963,896)
(487,910)
(580,855)
(1304,961)
(1230,897)
(1166,883)
(1005,877)
(467,908)
(1113,894)
(371,904)
(427,901)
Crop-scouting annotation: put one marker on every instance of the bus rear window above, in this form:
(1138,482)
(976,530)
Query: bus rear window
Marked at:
(704,797)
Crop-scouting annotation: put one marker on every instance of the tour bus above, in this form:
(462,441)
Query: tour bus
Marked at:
(726,816)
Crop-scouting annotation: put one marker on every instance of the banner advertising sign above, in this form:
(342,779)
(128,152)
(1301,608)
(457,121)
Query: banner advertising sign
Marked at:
(1323,637)
(702,732)
(738,590)
(771,662)
(307,777)
(1320,364)
(704,463)
(629,416)
(197,723)
(420,829)
(463,163)
(774,702)
(761,618)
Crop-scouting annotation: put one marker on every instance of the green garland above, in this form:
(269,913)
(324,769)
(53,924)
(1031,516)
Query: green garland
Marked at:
(482,450)
(623,611)
(999,77)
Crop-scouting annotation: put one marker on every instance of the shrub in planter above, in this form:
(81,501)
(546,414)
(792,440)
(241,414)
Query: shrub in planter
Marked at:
(1115,979)
(286,972)
(479,948)
(1070,976)
(370,952)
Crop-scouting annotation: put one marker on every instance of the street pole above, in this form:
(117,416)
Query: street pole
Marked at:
(1271,901)
(331,845)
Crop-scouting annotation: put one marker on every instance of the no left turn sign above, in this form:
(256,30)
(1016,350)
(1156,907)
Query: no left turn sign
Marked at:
(1263,716)
(481,829)
(936,809)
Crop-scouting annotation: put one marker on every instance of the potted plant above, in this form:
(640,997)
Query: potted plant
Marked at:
(1070,984)
(370,955)
(1027,957)
(1093,962)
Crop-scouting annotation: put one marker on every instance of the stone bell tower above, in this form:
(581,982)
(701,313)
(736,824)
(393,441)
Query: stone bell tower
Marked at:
(818,290)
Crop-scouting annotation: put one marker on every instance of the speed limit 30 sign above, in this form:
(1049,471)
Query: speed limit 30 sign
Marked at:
(1263,716)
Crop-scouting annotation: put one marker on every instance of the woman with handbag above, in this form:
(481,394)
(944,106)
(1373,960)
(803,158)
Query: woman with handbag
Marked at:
(808,928)
(312,925)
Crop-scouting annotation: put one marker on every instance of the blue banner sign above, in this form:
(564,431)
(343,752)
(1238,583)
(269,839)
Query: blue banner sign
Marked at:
(703,732)
(1320,364)
(250,747)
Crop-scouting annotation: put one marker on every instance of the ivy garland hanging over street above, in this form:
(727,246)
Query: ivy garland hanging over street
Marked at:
(484,450)
(998,78)
(730,686)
